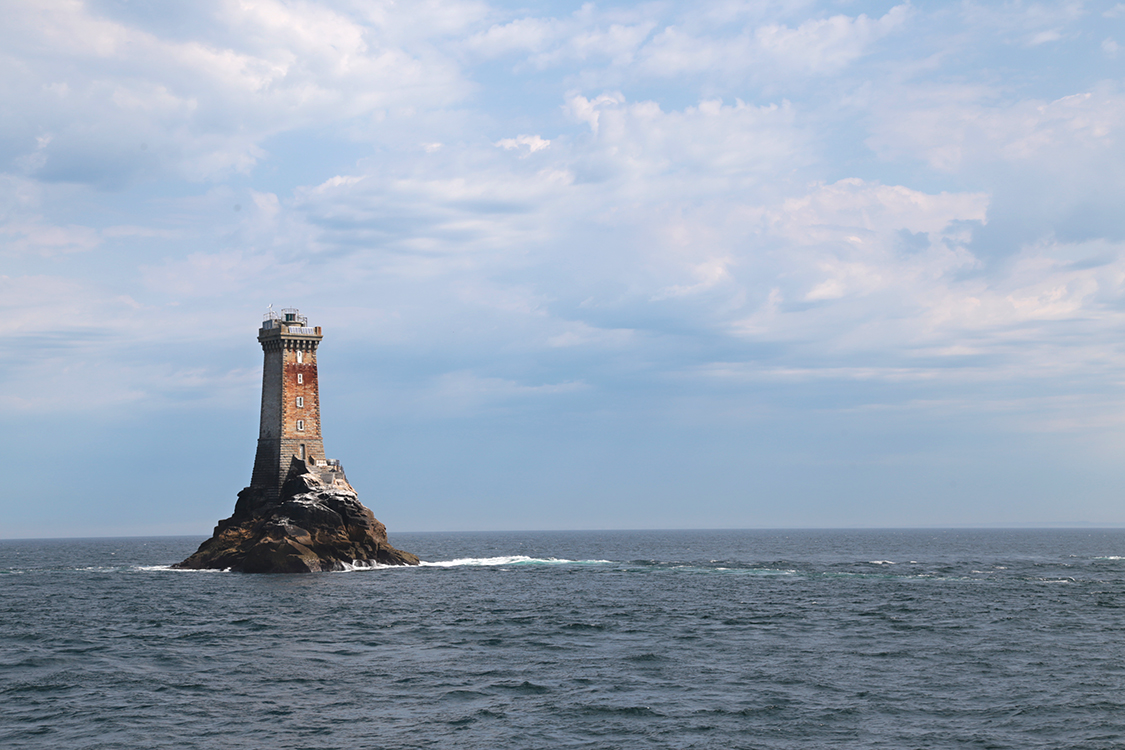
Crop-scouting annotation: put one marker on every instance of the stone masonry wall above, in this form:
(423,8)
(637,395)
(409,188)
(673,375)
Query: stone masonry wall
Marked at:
(300,382)
(284,381)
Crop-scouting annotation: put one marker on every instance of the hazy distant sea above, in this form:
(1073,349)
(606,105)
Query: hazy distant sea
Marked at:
(695,639)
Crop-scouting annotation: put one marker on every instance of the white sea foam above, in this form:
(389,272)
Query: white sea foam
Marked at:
(361,565)
(508,560)
(355,565)
(881,562)
(752,571)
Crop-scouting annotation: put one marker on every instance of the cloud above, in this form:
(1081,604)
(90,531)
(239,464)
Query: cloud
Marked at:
(207,274)
(822,46)
(532,143)
(652,44)
(520,35)
(588,35)
(1051,164)
(1026,23)
(736,141)
(465,393)
(42,239)
(114,101)
(708,235)
(588,110)
(66,343)
(753,219)
(951,127)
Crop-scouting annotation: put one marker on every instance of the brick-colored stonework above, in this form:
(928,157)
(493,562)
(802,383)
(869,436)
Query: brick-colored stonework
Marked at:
(288,430)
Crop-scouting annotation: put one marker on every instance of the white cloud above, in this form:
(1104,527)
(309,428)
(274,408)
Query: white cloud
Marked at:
(816,47)
(708,223)
(642,40)
(588,110)
(739,142)
(532,143)
(464,393)
(114,100)
(950,127)
(1044,37)
(708,274)
(579,334)
(584,36)
(520,35)
(826,45)
(71,347)
(617,43)
(1026,23)
(17,238)
(203,275)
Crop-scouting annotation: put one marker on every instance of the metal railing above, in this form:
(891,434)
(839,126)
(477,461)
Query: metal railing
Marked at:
(292,316)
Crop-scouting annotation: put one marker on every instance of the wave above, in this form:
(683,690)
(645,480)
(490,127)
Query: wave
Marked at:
(508,560)
(860,568)
(747,571)
(356,565)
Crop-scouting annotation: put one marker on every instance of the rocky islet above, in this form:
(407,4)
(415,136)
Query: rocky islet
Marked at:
(299,514)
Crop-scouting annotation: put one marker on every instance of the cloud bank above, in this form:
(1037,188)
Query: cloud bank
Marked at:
(789,263)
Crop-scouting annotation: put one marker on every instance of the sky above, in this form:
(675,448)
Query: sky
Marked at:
(710,264)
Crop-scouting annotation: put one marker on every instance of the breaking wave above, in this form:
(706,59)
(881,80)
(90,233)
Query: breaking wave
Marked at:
(509,560)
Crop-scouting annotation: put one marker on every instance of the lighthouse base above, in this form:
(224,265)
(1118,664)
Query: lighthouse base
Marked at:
(317,524)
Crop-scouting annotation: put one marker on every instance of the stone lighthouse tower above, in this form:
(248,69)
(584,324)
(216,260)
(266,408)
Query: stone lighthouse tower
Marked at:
(299,514)
(290,426)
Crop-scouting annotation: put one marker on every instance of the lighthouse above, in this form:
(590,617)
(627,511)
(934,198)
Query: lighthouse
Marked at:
(299,514)
(290,425)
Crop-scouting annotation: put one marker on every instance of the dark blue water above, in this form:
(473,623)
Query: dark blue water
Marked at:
(872,639)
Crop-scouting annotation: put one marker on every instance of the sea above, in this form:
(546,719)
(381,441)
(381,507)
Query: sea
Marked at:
(647,639)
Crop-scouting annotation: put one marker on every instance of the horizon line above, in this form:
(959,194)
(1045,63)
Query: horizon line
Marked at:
(959,527)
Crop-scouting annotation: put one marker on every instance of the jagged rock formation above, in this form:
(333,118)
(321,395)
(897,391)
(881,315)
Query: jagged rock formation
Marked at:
(316,524)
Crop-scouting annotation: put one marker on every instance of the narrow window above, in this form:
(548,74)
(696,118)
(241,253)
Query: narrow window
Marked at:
(300,425)
(302,451)
(300,356)
(300,402)
(300,378)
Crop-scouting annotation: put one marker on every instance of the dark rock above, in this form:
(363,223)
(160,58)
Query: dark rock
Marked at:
(317,524)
